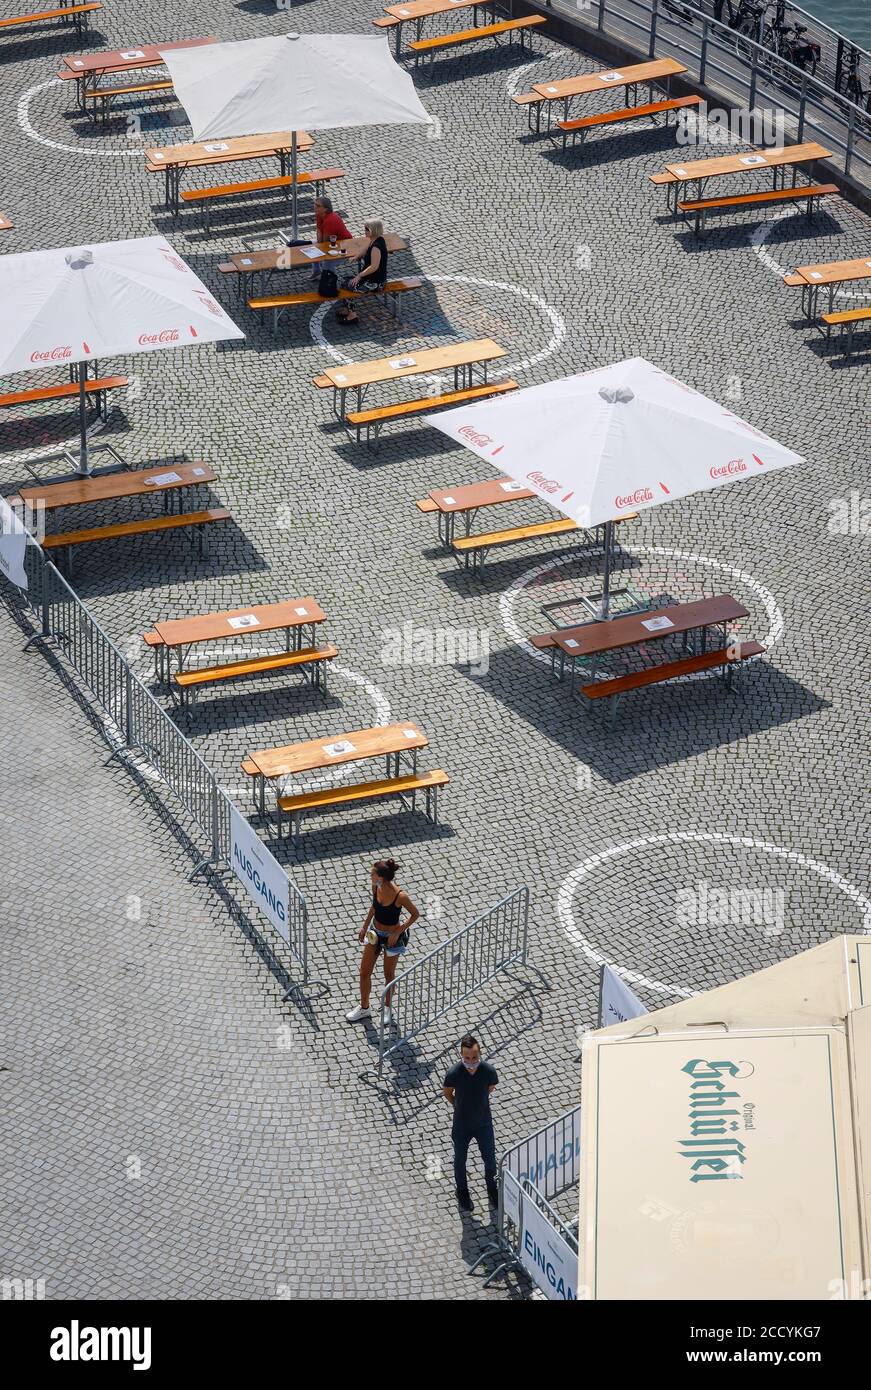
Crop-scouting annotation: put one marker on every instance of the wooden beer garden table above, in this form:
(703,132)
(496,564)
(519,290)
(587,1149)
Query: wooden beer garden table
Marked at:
(467,500)
(246,264)
(828,275)
(389,741)
(565,89)
(778,160)
(598,638)
(292,616)
(416,11)
(88,68)
(173,160)
(462,357)
(169,479)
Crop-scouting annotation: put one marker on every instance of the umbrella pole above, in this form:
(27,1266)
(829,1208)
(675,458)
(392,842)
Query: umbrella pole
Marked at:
(606,582)
(83,427)
(295,220)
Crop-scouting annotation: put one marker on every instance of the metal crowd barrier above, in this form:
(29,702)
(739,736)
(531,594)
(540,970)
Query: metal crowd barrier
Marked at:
(141,725)
(453,971)
(745,71)
(545,1164)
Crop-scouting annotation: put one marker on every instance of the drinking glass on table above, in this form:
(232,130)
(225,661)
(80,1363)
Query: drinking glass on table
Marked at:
(333,244)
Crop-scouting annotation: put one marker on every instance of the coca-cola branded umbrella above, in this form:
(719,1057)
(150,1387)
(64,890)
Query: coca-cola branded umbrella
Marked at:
(612,441)
(292,82)
(76,305)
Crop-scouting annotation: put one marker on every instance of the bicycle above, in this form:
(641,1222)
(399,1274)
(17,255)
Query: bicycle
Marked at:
(746,20)
(788,42)
(853,89)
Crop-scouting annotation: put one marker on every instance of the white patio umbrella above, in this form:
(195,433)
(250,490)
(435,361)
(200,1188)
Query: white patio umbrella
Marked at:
(292,82)
(109,299)
(611,441)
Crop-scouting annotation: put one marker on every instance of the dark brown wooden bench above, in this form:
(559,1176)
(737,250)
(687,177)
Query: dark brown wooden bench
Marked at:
(726,657)
(279,302)
(374,420)
(846,319)
(95,386)
(430,47)
(582,124)
(189,683)
(811,191)
(208,196)
(298,806)
(107,95)
(79,14)
(68,540)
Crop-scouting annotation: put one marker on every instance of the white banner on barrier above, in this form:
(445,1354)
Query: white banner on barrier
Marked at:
(13,539)
(617,1003)
(551,1159)
(260,873)
(546,1257)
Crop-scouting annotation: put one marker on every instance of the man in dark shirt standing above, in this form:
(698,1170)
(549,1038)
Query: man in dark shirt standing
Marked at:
(467,1088)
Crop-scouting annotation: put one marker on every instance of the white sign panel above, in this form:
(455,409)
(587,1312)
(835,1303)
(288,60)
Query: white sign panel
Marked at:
(617,1003)
(259,872)
(545,1256)
(551,1159)
(13,539)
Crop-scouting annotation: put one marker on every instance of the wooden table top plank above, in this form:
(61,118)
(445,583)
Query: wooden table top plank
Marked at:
(5,222)
(742,163)
(127,59)
(225,151)
(293,612)
(107,486)
(595,638)
(429,360)
(293,257)
(608,77)
(359,744)
(487,494)
(830,272)
(422,9)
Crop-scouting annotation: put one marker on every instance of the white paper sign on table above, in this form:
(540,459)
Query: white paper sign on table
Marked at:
(410,733)
(157,155)
(512,487)
(449,501)
(570,642)
(313,252)
(335,750)
(753,159)
(610,77)
(198,472)
(162,479)
(300,612)
(340,376)
(133,53)
(553,90)
(244,620)
(399,362)
(816,275)
(246,260)
(656,624)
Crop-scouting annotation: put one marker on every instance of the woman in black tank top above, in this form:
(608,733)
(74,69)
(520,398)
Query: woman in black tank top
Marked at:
(372,275)
(383,933)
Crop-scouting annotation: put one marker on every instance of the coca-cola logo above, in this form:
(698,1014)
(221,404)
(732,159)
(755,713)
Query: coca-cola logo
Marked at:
(479,440)
(641,494)
(545,484)
(166,335)
(55,354)
(728,470)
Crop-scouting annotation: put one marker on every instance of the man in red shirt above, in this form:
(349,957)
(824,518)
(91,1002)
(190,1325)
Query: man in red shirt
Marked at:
(329,223)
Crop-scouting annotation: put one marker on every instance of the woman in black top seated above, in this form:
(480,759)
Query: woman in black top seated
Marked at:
(372,275)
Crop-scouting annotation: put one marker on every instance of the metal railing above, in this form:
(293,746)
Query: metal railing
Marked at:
(139,725)
(453,971)
(747,73)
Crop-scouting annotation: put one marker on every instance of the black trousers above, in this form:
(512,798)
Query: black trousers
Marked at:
(484,1137)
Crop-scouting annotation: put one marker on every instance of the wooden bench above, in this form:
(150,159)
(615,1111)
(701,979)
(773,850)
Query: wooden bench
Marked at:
(322,382)
(426,505)
(629,113)
(279,302)
(79,14)
(106,95)
(189,682)
(298,806)
(207,196)
(846,318)
(488,31)
(67,540)
(810,191)
(794,280)
(374,420)
(727,657)
(663,179)
(477,547)
(95,386)
(386,21)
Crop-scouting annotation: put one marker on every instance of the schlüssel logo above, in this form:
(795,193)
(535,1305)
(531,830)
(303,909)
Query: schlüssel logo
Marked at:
(55,354)
(472,435)
(641,494)
(728,470)
(166,335)
(545,484)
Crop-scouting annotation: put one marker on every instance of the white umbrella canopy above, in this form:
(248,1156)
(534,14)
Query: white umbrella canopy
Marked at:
(292,82)
(78,304)
(615,440)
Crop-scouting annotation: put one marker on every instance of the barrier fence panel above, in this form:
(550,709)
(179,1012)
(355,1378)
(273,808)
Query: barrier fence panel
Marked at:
(86,647)
(454,970)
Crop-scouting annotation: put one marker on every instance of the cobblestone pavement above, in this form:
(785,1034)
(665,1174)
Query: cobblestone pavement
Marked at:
(269,1168)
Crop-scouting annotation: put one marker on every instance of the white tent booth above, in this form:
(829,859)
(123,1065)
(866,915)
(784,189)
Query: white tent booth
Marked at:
(726,1140)
(611,441)
(292,82)
(77,305)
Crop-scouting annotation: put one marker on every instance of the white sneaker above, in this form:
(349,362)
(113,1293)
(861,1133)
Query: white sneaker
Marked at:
(388,1017)
(357,1015)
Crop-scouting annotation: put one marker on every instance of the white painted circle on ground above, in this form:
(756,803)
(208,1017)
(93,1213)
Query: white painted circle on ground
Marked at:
(26,125)
(507,600)
(570,884)
(758,238)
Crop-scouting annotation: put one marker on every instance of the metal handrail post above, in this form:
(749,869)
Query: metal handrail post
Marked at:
(703,55)
(754,73)
(654,15)
(851,135)
(802,107)
(601,21)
